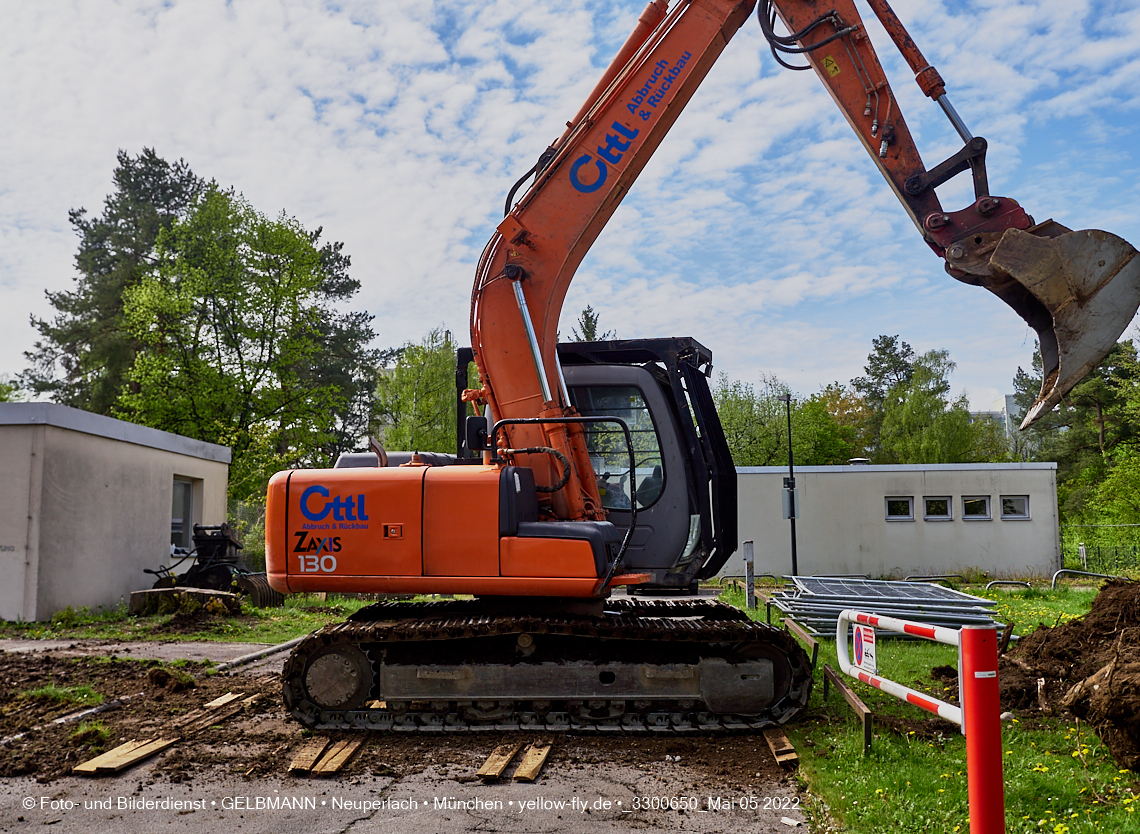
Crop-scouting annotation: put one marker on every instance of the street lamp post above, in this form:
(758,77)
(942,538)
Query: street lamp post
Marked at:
(790,484)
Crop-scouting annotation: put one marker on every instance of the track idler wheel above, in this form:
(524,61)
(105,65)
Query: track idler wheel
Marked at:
(339,677)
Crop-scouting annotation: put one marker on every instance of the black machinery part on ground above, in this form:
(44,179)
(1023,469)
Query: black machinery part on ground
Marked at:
(218,566)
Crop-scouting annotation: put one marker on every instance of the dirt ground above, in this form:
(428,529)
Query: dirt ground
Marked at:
(261,742)
(1089,667)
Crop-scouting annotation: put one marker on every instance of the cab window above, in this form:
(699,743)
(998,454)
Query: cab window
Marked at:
(608,452)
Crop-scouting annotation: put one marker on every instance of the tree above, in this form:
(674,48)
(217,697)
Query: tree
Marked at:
(588,330)
(1083,433)
(756,428)
(415,399)
(234,331)
(920,424)
(890,365)
(850,412)
(9,391)
(84,353)
(342,360)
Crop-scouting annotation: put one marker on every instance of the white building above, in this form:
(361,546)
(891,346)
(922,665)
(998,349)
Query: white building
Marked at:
(897,521)
(87,502)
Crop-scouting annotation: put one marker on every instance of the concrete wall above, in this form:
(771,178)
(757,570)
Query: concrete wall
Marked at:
(85,505)
(19,506)
(842,526)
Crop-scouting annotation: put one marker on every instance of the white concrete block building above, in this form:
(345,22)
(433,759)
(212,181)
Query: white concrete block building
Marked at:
(87,502)
(896,521)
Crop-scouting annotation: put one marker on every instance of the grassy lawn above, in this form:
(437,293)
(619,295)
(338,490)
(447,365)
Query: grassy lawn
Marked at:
(1059,778)
(301,614)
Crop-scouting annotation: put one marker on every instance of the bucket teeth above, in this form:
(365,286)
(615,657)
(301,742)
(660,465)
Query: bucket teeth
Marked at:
(1084,289)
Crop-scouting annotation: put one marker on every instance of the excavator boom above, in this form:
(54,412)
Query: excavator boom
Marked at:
(1078,290)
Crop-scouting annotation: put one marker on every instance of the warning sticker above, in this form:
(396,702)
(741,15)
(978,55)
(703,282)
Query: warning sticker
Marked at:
(831,67)
(865,649)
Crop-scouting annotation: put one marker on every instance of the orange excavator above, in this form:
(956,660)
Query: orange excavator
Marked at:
(591,466)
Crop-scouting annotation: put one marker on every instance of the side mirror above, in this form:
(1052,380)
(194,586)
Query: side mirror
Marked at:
(476,440)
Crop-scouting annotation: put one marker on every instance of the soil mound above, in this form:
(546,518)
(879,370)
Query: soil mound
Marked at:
(1089,666)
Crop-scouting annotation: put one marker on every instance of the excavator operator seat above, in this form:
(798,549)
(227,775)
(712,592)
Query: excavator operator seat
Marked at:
(520,528)
(518,499)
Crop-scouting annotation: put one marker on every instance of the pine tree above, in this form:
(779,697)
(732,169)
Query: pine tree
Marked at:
(84,353)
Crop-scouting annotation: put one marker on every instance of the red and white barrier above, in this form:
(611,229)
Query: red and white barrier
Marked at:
(979,715)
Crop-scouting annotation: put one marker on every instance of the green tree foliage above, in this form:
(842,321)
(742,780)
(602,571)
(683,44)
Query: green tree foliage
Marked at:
(851,413)
(920,424)
(902,412)
(9,391)
(890,366)
(588,330)
(237,341)
(755,425)
(1090,432)
(83,354)
(415,398)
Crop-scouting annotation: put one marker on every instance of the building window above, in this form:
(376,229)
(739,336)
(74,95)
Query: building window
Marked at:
(900,508)
(976,507)
(182,514)
(937,508)
(1015,506)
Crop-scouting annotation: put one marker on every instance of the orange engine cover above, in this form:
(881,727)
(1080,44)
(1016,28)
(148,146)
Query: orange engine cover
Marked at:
(410,529)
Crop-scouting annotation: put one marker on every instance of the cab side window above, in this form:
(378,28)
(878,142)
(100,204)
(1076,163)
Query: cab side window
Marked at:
(608,452)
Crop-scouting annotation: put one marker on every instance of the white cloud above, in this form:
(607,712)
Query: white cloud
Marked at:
(760,227)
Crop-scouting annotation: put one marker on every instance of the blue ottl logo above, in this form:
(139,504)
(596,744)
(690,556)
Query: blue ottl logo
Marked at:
(617,143)
(316,506)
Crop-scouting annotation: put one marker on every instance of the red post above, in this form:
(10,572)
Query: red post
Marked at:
(981,720)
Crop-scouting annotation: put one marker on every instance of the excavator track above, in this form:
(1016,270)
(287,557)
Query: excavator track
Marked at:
(691,666)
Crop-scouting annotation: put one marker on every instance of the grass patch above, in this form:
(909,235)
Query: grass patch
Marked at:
(1059,777)
(301,614)
(90,734)
(82,695)
(1030,607)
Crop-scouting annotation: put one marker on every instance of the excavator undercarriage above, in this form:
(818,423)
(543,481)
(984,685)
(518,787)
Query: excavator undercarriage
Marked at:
(638,666)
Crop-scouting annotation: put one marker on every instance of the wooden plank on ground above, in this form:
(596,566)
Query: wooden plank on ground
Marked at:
(303,762)
(123,756)
(532,762)
(805,638)
(498,760)
(781,748)
(222,701)
(337,757)
(862,711)
(210,710)
(210,718)
(91,766)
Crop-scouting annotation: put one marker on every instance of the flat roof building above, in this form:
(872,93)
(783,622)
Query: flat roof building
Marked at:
(87,502)
(897,521)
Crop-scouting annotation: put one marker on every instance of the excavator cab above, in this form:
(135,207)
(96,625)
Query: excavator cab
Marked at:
(683,480)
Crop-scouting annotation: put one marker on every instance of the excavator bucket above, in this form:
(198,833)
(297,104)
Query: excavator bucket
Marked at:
(1078,290)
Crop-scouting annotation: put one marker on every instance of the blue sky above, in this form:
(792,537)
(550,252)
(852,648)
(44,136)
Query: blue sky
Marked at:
(760,227)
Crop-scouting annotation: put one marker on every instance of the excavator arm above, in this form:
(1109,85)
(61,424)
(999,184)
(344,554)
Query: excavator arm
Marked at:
(1078,290)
